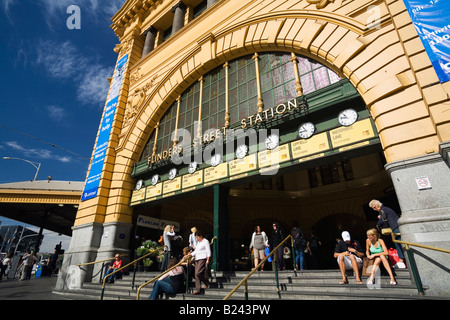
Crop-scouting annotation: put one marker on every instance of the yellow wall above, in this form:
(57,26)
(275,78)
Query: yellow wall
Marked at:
(384,59)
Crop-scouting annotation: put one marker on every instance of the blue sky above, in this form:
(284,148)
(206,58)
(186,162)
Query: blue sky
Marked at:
(53,85)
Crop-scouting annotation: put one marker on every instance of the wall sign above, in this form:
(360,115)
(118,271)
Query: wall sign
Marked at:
(153,223)
(423,183)
(431,19)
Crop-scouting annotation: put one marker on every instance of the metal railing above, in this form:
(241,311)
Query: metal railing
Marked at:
(185,259)
(244,281)
(188,261)
(100,261)
(127,265)
(412,261)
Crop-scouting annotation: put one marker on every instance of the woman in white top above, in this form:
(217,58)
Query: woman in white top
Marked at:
(259,243)
(202,254)
(192,239)
(168,234)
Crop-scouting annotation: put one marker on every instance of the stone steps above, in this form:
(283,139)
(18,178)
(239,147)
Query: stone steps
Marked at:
(293,285)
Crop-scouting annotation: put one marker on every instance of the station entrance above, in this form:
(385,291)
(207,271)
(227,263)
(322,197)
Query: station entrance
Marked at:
(324,197)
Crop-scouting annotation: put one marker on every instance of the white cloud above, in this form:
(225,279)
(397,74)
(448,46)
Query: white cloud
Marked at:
(63,61)
(93,86)
(56,113)
(36,153)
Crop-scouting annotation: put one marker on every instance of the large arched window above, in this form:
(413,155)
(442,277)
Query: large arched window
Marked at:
(277,74)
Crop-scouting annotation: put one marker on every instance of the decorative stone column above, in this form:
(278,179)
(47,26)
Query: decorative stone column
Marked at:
(425,216)
(149,44)
(209,3)
(179,11)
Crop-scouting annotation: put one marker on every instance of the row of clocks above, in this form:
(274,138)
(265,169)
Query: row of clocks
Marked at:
(346,118)
(306,130)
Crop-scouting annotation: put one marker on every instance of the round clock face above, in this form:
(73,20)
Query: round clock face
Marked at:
(155,179)
(172,173)
(192,167)
(241,151)
(216,159)
(347,117)
(306,130)
(139,184)
(272,141)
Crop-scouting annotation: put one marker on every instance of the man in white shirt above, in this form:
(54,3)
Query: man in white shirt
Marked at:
(202,254)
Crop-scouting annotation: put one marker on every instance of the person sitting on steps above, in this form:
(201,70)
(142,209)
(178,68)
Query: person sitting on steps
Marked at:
(349,255)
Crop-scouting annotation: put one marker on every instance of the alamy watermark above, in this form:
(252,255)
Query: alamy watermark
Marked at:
(74,20)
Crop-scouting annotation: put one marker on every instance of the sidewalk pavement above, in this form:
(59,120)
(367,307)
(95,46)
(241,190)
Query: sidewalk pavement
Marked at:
(34,289)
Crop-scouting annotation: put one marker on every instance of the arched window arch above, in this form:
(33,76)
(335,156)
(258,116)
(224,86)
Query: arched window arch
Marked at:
(231,91)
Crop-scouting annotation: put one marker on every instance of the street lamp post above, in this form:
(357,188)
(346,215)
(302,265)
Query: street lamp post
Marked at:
(37,165)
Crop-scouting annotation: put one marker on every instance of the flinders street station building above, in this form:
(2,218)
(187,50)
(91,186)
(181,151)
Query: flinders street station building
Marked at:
(231,114)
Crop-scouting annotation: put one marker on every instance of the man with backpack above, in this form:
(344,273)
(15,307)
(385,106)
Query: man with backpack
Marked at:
(300,244)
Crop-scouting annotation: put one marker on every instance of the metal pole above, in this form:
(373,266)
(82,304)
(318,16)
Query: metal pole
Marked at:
(415,272)
(276,269)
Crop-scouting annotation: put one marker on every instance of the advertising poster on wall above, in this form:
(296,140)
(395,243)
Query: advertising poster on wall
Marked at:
(431,19)
(93,180)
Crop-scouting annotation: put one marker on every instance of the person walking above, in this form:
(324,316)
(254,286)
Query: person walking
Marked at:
(259,242)
(168,235)
(276,238)
(300,244)
(192,239)
(202,254)
(5,265)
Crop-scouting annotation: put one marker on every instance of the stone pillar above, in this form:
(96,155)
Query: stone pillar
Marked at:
(425,216)
(115,239)
(179,10)
(149,44)
(209,3)
(83,249)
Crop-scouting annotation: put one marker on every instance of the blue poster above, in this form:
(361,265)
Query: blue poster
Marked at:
(431,19)
(93,180)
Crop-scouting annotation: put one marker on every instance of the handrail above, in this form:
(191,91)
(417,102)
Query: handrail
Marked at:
(158,276)
(256,268)
(411,259)
(182,260)
(94,262)
(406,243)
(129,264)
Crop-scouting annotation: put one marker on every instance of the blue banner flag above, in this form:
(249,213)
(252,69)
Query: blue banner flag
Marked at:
(93,180)
(431,19)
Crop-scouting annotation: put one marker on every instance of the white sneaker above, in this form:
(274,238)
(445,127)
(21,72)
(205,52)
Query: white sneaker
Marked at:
(400,265)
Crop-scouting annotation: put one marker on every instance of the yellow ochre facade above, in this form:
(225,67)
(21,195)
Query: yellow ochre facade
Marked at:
(371,43)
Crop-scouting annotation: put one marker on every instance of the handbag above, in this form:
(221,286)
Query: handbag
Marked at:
(367,266)
(267,252)
(393,256)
